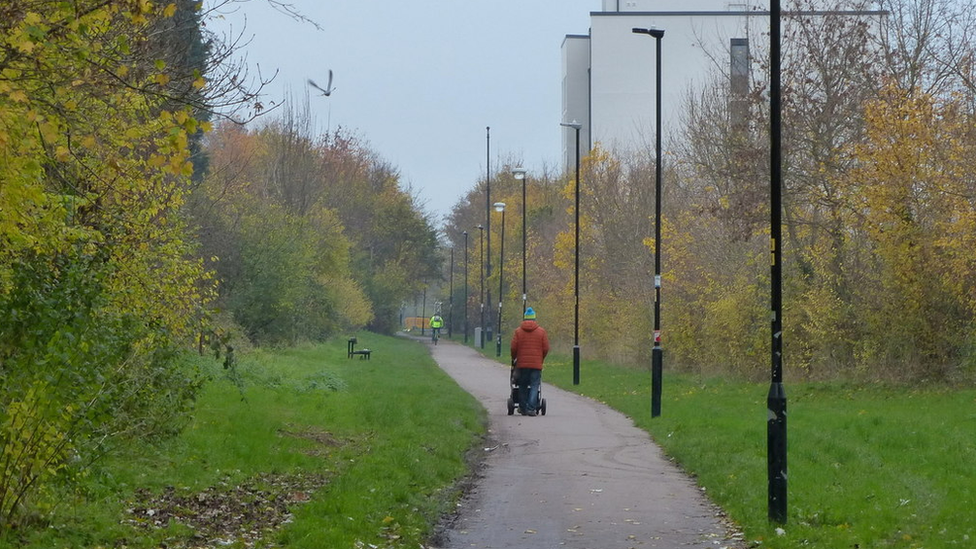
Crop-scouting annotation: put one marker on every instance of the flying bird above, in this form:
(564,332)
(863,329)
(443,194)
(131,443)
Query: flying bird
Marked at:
(327,91)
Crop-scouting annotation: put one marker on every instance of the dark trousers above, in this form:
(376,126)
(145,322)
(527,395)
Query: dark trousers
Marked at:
(529,380)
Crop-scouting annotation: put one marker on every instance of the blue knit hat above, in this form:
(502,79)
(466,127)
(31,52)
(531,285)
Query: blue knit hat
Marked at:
(529,314)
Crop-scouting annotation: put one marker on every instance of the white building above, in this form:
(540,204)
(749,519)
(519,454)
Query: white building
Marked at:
(609,74)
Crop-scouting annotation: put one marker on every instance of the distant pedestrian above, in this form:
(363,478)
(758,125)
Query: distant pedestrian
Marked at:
(530,345)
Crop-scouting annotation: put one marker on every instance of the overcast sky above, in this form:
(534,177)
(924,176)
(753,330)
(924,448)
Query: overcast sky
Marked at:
(420,80)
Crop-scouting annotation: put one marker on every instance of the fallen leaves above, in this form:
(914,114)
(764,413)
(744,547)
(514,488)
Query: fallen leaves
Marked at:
(224,514)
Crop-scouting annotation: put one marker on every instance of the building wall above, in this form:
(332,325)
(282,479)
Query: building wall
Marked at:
(620,108)
(659,5)
(576,95)
(619,105)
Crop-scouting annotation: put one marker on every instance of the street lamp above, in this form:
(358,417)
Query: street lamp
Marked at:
(450,300)
(465,233)
(488,223)
(657,354)
(519,174)
(482,271)
(576,348)
(776,399)
(423,317)
(500,207)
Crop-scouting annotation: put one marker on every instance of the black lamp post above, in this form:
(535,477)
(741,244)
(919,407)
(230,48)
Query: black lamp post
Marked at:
(423,318)
(481,270)
(487,224)
(576,348)
(500,207)
(657,354)
(450,300)
(776,400)
(519,174)
(465,233)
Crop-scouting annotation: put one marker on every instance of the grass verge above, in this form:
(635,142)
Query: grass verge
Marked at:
(296,448)
(869,466)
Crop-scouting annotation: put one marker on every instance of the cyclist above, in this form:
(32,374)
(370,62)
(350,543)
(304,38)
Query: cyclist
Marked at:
(436,323)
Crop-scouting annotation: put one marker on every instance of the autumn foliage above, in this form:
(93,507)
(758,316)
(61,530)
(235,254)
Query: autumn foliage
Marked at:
(879,214)
(98,284)
(308,235)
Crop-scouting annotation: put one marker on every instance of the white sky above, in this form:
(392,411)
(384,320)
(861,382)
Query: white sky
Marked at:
(420,80)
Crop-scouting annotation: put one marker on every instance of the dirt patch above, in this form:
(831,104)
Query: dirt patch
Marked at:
(224,514)
(313,434)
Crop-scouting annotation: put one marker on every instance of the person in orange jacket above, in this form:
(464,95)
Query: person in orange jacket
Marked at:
(530,345)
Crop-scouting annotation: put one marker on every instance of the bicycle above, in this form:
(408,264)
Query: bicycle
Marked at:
(435,334)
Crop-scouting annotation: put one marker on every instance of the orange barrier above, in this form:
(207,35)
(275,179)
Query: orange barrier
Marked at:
(416,322)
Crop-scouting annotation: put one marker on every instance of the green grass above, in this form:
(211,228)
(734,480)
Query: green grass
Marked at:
(390,434)
(869,466)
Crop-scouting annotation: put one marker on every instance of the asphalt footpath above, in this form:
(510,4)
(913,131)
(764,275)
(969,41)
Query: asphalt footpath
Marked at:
(582,476)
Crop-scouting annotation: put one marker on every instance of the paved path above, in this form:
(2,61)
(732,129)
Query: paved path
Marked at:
(580,477)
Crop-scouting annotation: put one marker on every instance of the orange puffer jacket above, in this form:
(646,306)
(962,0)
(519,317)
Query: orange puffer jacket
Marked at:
(530,345)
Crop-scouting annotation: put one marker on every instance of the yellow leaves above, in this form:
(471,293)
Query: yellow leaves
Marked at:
(18,96)
(50,131)
(157,161)
(162,79)
(25,46)
(199,83)
(169,11)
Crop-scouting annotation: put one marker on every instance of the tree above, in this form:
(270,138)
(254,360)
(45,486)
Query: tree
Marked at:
(98,288)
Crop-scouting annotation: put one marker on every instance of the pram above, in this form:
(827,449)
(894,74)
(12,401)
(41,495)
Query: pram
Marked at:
(513,399)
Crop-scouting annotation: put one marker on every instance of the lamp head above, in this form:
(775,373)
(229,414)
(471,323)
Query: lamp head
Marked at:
(480,227)
(499,206)
(574,124)
(519,173)
(656,33)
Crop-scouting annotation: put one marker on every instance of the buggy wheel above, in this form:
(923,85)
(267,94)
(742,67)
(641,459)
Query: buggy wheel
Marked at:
(542,407)
(511,406)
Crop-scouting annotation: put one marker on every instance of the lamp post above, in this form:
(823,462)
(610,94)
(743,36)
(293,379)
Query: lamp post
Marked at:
(500,207)
(576,348)
(465,233)
(657,354)
(519,174)
(481,270)
(776,399)
(450,300)
(423,317)
(487,223)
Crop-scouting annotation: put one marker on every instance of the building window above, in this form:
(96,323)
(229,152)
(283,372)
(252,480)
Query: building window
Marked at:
(738,80)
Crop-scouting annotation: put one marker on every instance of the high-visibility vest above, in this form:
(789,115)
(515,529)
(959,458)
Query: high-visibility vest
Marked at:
(436,322)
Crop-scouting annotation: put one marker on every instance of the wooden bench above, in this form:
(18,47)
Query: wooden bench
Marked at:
(363,353)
